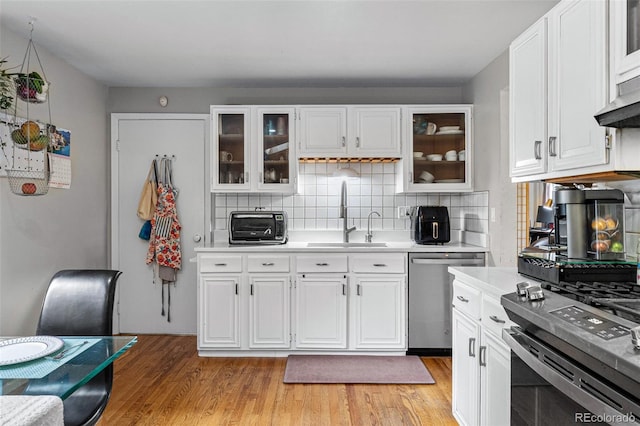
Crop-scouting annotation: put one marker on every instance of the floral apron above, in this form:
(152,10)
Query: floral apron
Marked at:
(164,243)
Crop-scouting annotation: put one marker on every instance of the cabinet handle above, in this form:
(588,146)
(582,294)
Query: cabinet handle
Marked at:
(358,290)
(552,146)
(344,289)
(267,263)
(344,141)
(462,299)
(322,264)
(536,150)
(358,142)
(251,290)
(496,319)
(382,265)
(220,264)
(236,288)
(483,356)
(472,347)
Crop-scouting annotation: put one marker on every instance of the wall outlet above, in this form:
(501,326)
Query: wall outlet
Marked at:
(403,212)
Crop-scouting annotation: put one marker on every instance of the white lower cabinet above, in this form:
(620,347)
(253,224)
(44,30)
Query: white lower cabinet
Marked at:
(219,307)
(313,301)
(269,311)
(481,362)
(379,312)
(321,311)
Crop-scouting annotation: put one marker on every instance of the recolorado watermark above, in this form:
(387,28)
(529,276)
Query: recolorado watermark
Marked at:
(604,418)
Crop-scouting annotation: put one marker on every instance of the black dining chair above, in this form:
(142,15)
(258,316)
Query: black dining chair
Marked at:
(79,302)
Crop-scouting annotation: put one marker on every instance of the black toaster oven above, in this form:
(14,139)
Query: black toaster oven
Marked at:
(257,227)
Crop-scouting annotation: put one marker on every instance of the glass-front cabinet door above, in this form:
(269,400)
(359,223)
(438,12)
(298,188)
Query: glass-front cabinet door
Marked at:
(625,31)
(275,159)
(230,156)
(440,156)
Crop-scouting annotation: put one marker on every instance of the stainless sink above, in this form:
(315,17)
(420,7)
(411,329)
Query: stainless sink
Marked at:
(346,244)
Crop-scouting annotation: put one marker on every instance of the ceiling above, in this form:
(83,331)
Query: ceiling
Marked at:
(296,43)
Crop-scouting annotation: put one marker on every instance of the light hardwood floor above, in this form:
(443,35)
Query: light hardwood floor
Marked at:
(162,381)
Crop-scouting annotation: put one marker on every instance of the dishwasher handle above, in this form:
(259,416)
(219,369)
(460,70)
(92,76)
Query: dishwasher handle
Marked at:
(455,262)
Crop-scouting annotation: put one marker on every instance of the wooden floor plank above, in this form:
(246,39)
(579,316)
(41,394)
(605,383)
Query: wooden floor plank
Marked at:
(161,380)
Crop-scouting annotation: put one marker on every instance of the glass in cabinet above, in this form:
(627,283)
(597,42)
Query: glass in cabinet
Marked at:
(440,156)
(275,143)
(231,130)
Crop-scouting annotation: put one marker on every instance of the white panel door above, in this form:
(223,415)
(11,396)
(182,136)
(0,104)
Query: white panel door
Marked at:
(528,101)
(377,131)
(380,312)
(323,131)
(577,76)
(465,375)
(495,381)
(219,313)
(321,311)
(136,140)
(269,312)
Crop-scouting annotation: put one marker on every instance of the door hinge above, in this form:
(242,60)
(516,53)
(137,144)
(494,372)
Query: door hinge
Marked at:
(607,141)
(118,145)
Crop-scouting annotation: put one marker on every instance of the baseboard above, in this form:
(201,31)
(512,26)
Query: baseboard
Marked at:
(429,351)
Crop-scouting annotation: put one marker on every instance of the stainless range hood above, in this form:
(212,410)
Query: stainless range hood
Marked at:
(624,111)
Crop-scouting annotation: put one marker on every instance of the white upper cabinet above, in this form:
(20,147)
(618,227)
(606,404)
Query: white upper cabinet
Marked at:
(528,100)
(557,83)
(625,39)
(253,149)
(349,131)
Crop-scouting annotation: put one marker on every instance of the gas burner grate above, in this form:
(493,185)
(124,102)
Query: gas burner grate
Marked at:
(561,270)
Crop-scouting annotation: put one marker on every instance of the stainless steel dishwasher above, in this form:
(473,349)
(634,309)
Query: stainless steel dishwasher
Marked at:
(430,299)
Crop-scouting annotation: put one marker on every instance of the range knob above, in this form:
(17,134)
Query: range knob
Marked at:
(521,288)
(635,337)
(534,292)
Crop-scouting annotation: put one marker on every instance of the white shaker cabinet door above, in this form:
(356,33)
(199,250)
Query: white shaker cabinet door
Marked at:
(380,312)
(465,366)
(528,101)
(495,381)
(376,132)
(321,311)
(219,312)
(269,307)
(323,131)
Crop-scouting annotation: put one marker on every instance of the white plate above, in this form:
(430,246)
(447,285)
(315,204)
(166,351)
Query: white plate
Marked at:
(450,132)
(449,128)
(23,349)
(449,181)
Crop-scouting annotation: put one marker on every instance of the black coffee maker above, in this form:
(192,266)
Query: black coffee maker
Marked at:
(430,225)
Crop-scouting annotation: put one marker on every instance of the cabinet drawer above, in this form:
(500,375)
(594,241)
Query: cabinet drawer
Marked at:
(494,317)
(211,263)
(268,263)
(321,263)
(378,264)
(466,299)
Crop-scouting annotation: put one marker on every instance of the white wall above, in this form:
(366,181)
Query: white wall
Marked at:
(492,157)
(66,228)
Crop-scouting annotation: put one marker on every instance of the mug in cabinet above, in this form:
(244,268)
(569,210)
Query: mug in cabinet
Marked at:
(226,156)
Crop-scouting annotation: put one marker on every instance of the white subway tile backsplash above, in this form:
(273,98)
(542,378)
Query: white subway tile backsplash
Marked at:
(316,206)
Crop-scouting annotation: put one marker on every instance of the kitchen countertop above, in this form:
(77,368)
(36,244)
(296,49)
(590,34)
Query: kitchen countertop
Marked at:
(494,280)
(301,247)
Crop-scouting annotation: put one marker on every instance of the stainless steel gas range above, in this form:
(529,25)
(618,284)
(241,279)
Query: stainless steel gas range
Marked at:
(575,352)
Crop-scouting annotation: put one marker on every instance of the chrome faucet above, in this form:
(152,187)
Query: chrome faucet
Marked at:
(369,235)
(343,213)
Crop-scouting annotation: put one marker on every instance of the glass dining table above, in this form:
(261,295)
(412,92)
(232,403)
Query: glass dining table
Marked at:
(77,362)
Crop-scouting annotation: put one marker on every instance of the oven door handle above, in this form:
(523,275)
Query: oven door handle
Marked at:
(560,382)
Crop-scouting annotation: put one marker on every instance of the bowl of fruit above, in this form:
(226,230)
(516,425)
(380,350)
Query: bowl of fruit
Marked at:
(31,87)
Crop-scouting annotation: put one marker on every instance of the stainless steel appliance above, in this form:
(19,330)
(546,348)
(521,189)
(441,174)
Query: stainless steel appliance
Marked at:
(430,287)
(575,355)
(590,223)
(257,227)
(430,224)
